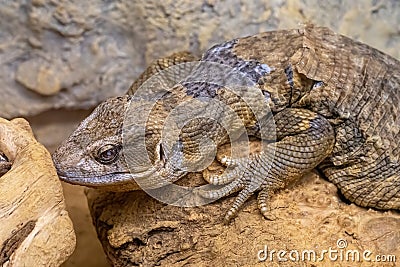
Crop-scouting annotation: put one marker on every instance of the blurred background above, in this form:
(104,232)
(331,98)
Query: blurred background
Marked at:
(59,59)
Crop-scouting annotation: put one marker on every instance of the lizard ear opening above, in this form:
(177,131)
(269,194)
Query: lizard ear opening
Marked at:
(107,154)
(161,153)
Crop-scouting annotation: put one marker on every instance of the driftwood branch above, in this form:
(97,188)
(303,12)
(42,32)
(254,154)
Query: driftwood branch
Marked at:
(137,230)
(35,227)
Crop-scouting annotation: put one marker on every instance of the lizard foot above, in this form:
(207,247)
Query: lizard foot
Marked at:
(246,178)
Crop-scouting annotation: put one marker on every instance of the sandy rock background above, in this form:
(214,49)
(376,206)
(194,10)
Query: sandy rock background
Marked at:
(73,54)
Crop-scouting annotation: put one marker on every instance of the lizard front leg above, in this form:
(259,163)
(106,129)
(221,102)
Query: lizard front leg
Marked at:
(304,139)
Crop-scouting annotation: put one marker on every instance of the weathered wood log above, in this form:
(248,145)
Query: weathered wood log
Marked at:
(137,230)
(35,227)
(5,164)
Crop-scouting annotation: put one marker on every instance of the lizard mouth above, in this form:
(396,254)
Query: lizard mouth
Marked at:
(112,178)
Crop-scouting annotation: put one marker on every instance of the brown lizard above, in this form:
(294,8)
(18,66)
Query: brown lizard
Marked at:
(333,102)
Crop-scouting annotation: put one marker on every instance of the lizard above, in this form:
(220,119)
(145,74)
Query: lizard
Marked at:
(334,103)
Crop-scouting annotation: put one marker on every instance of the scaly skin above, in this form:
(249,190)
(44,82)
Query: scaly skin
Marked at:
(334,106)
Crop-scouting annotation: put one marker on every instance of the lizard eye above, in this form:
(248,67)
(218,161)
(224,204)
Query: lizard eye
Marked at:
(107,154)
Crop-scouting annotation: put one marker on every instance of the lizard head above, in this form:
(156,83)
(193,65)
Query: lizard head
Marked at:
(97,155)
(91,155)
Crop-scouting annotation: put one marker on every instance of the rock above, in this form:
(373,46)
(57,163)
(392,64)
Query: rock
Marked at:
(38,77)
(35,227)
(95,49)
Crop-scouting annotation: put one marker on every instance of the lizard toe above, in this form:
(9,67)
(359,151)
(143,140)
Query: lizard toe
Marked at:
(222,179)
(223,191)
(241,198)
(263,200)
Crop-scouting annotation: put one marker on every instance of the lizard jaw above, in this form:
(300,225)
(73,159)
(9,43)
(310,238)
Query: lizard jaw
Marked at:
(112,178)
(145,179)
